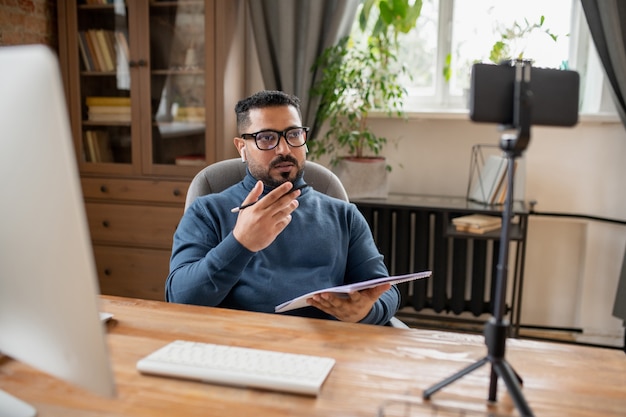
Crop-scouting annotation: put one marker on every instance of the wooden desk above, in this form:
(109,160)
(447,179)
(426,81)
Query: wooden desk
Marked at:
(374,364)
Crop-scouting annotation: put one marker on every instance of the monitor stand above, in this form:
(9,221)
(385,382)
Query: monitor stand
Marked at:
(14,407)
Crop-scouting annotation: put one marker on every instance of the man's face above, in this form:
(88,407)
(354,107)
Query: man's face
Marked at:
(284,162)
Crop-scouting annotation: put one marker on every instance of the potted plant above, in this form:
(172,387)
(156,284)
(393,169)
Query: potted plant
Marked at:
(360,75)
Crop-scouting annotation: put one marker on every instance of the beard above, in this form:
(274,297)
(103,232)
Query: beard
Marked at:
(263,174)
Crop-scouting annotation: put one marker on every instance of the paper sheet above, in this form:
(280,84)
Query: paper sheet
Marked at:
(300,302)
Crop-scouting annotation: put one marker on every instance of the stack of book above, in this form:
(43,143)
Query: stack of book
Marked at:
(102,50)
(189,114)
(108,109)
(477,223)
(191,160)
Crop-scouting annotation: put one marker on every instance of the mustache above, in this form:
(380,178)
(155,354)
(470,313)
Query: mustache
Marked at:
(284,158)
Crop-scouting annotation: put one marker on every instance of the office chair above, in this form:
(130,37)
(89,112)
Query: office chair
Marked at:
(221,175)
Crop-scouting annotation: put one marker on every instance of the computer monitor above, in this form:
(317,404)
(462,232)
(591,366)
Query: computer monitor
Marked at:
(49,312)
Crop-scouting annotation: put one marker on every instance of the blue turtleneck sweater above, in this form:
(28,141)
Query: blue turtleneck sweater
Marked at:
(327,243)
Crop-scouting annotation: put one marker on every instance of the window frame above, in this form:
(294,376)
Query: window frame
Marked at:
(595,96)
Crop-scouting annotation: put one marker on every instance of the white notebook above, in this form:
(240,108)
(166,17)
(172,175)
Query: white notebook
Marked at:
(300,301)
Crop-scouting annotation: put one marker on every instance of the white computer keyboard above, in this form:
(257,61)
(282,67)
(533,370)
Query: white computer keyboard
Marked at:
(246,367)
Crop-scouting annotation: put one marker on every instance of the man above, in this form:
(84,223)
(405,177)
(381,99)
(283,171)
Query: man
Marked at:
(288,243)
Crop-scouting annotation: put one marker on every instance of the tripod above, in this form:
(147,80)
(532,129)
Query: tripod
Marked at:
(495,330)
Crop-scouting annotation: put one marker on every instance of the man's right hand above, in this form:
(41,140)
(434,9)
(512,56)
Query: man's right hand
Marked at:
(258,225)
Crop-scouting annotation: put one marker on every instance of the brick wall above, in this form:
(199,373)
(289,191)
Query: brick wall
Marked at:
(28,21)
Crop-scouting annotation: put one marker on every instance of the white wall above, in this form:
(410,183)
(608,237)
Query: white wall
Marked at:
(572,265)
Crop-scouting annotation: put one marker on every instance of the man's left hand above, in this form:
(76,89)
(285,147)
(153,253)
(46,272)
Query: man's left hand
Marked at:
(352,308)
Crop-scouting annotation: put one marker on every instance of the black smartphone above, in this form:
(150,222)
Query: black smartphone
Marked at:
(554,95)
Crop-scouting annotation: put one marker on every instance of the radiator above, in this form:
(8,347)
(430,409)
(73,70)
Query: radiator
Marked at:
(414,239)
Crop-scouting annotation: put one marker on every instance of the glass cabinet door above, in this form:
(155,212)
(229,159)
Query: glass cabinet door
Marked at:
(177,87)
(106,91)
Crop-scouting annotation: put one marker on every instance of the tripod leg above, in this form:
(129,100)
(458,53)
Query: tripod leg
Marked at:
(519,378)
(510,378)
(493,385)
(430,391)
(493,382)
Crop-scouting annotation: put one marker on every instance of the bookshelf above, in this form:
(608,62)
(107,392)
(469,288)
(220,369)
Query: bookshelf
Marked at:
(149,97)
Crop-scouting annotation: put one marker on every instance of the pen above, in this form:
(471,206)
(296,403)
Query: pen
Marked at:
(243,206)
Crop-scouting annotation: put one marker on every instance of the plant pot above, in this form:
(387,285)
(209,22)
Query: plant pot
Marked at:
(363,177)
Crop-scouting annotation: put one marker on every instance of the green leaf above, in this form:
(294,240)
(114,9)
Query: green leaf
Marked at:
(447,69)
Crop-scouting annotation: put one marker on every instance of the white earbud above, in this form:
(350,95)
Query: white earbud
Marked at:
(306,148)
(243,154)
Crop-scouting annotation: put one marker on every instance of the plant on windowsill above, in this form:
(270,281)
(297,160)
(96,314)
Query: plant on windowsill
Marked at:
(513,39)
(360,75)
(511,44)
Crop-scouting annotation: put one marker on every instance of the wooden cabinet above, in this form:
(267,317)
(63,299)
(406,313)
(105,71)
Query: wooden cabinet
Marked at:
(135,190)
(132,222)
(132,272)
(149,87)
(140,225)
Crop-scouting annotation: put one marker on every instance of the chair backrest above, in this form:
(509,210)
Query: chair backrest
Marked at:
(221,175)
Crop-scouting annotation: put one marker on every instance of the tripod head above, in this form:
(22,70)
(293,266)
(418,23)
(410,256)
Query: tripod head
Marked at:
(516,95)
(516,144)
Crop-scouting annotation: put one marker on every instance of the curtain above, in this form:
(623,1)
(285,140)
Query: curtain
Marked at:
(607,24)
(290,35)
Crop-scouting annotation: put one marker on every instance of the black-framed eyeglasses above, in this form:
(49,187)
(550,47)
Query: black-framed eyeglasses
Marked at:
(268,139)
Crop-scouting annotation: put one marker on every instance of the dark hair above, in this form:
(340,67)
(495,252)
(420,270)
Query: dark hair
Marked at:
(262,99)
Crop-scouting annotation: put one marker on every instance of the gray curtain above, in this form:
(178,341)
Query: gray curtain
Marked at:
(607,24)
(290,35)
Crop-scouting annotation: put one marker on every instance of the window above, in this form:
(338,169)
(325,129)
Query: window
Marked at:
(455,34)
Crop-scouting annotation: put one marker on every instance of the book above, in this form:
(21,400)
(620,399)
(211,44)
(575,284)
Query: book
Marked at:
(477,223)
(103,143)
(98,146)
(477,230)
(300,302)
(477,220)
(91,45)
(500,195)
(94,45)
(102,44)
(108,117)
(489,180)
(90,147)
(85,52)
(191,160)
(110,109)
(111,46)
(190,114)
(107,101)
(121,49)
